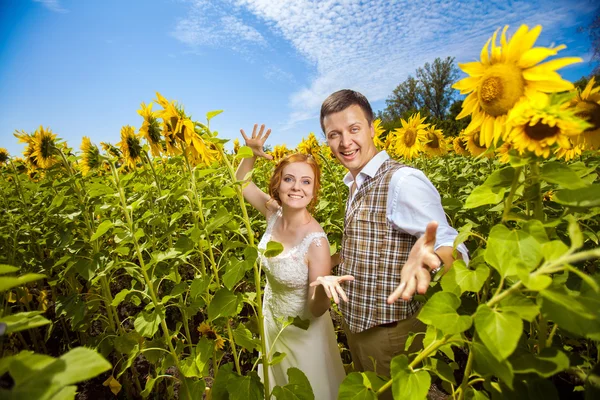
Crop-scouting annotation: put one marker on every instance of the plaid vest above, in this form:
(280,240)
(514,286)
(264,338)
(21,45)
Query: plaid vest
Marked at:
(374,253)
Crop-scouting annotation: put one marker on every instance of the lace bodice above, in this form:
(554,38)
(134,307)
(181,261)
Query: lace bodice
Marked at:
(287,276)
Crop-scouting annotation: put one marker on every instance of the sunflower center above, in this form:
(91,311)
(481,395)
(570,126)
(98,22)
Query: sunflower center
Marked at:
(46,146)
(500,88)
(589,111)
(434,142)
(540,131)
(410,136)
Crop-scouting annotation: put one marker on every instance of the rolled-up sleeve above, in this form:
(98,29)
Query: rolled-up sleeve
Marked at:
(413,202)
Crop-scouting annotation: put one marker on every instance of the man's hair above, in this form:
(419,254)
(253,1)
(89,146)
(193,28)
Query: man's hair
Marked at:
(343,99)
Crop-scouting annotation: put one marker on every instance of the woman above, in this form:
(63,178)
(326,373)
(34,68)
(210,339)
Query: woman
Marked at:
(305,258)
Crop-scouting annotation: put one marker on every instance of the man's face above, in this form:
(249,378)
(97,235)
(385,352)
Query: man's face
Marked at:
(350,138)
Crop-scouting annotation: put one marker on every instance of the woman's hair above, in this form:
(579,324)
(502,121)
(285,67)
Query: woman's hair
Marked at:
(278,172)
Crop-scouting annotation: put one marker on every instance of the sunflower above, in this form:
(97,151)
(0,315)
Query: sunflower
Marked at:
(538,126)
(3,156)
(236,146)
(310,146)
(90,157)
(111,150)
(436,143)
(473,143)
(379,131)
(44,147)
(587,106)
(459,145)
(503,152)
(279,151)
(150,128)
(130,146)
(411,137)
(206,330)
(201,151)
(506,76)
(569,154)
(28,139)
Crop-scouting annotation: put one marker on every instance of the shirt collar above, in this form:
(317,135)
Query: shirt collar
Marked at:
(368,170)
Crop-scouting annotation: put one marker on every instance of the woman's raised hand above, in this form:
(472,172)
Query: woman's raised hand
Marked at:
(257,141)
(331,284)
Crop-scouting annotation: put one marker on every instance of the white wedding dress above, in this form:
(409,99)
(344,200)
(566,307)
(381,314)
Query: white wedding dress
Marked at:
(314,351)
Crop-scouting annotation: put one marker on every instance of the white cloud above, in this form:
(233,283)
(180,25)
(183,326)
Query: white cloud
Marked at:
(52,5)
(370,46)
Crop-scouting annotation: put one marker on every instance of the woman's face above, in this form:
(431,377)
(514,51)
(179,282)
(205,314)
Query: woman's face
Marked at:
(297,185)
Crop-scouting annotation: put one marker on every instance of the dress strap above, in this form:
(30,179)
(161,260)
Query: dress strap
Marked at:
(309,239)
(272,220)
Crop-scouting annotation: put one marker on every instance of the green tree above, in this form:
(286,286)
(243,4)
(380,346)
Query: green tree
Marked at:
(436,81)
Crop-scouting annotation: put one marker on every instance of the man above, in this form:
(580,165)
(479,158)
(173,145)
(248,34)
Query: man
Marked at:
(389,244)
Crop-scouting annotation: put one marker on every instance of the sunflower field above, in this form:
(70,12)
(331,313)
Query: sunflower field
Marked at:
(131,270)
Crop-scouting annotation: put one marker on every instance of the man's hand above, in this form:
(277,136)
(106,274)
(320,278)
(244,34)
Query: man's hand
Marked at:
(332,287)
(416,273)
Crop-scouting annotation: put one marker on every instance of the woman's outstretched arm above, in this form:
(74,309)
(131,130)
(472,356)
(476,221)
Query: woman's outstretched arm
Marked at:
(253,195)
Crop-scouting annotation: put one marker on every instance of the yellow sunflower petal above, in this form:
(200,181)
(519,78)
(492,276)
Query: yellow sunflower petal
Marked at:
(588,88)
(529,38)
(513,48)
(540,74)
(559,63)
(551,86)
(484,52)
(534,56)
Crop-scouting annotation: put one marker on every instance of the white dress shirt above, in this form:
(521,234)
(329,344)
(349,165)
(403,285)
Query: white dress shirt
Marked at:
(412,202)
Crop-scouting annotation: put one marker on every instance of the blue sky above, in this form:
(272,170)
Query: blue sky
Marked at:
(84,67)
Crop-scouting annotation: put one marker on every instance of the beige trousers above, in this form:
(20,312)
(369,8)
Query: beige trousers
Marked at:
(374,348)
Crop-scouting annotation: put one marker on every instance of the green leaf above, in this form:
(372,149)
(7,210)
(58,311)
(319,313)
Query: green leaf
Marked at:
(535,281)
(467,280)
(248,387)
(574,232)
(102,229)
(509,251)
(199,285)
(211,114)
(520,305)
(298,387)
(584,197)
(485,364)
(72,306)
(277,358)
(463,234)
(440,311)
(493,189)
(221,218)
(561,174)
(244,152)
(443,370)
(571,312)
(42,377)
(554,249)
(223,304)
(5,269)
(243,337)
(228,191)
(408,384)
(146,323)
(24,320)
(356,386)
(236,270)
(119,297)
(224,376)
(498,330)
(273,249)
(204,352)
(9,282)
(550,361)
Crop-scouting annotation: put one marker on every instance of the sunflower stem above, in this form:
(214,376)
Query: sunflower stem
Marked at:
(538,210)
(159,307)
(509,200)
(257,272)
